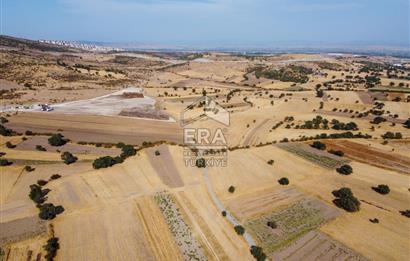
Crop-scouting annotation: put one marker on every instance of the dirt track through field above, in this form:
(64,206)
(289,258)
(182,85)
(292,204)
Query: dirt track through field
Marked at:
(251,137)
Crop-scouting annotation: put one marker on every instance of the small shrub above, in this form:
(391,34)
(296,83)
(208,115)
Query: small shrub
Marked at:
(337,152)
(3,120)
(223,213)
(42,182)
(10,145)
(270,162)
(157,153)
(51,248)
(382,189)
(240,230)
(272,224)
(374,220)
(29,168)
(55,176)
(345,169)
(40,148)
(57,140)
(128,151)
(68,158)
(284,181)
(4,162)
(231,189)
(4,131)
(29,133)
(405,213)
(120,145)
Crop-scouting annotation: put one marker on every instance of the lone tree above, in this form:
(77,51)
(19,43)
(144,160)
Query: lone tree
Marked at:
(240,230)
(51,248)
(382,189)
(29,168)
(57,140)
(68,158)
(231,189)
(257,253)
(345,169)
(319,145)
(284,181)
(346,200)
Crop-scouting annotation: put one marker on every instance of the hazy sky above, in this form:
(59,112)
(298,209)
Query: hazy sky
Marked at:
(211,22)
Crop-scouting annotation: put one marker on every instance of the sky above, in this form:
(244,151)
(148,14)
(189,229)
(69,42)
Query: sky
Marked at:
(261,23)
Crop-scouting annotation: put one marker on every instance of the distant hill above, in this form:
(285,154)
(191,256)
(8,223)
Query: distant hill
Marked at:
(9,41)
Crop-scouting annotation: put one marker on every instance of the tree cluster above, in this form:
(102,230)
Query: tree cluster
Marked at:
(346,200)
(57,140)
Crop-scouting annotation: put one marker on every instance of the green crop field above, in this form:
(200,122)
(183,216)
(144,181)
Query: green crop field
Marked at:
(292,223)
(301,150)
